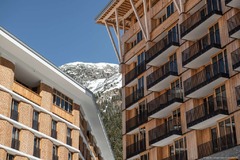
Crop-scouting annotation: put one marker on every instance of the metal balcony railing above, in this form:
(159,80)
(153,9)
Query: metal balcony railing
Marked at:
(217,145)
(234,24)
(206,76)
(165,130)
(14,115)
(69,141)
(136,121)
(200,47)
(134,97)
(136,148)
(207,110)
(178,156)
(238,95)
(164,100)
(236,58)
(171,39)
(15,144)
(35,124)
(200,16)
(54,134)
(131,75)
(36,152)
(170,68)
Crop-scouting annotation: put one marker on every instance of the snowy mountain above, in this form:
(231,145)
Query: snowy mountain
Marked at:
(104,80)
(98,77)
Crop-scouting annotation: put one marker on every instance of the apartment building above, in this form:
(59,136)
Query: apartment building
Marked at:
(44,114)
(180,61)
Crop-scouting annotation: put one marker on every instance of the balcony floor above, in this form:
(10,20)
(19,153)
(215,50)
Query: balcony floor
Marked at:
(236,33)
(134,157)
(166,111)
(202,59)
(234,3)
(133,131)
(132,83)
(206,89)
(209,122)
(202,28)
(163,57)
(162,84)
(132,106)
(166,141)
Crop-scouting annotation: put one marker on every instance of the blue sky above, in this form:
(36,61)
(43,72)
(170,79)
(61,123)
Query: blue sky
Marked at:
(61,30)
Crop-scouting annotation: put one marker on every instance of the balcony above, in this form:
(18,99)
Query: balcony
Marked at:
(207,114)
(178,156)
(134,149)
(165,103)
(202,83)
(36,152)
(233,3)
(236,60)
(133,123)
(217,145)
(238,95)
(234,26)
(162,77)
(15,144)
(54,134)
(159,53)
(165,133)
(35,124)
(134,97)
(198,23)
(69,141)
(201,51)
(14,115)
(131,75)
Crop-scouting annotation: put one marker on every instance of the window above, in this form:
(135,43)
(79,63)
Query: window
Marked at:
(220,63)
(35,120)
(69,139)
(62,101)
(215,34)
(173,62)
(141,58)
(36,151)
(10,157)
(170,9)
(140,86)
(177,84)
(15,138)
(54,153)
(14,110)
(54,129)
(139,36)
(181,148)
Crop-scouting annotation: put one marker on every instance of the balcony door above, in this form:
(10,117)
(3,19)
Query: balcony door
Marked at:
(142,111)
(208,105)
(221,96)
(214,135)
(214,34)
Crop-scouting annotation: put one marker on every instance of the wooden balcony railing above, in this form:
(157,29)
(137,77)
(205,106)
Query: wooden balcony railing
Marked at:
(207,110)
(165,130)
(200,16)
(131,75)
(200,47)
(136,148)
(206,76)
(217,145)
(164,100)
(234,24)
(170,68)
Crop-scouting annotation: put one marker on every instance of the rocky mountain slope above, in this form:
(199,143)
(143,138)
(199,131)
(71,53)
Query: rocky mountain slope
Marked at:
(104,80)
